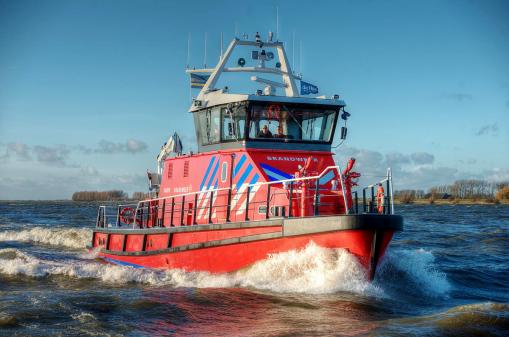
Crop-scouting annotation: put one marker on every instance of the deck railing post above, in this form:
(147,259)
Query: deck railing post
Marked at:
(182,206)
(317,197)
(211,203)
(155,215)
(162,215)
(388,198)
(356,203)
(141,214)
(118,216)
(172,210)
(268,202)
(228,206)
(247,202)
(364,199)
(372,199)
(290,200)
(195,206)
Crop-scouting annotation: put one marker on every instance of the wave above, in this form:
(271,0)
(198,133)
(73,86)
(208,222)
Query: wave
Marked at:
(413,271)
(313,269)
(76,238)
(478,319)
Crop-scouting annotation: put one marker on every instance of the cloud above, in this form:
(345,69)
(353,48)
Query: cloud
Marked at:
(19,150)
(496,174)
(23,185)
(487,129)
(420,158)
(469,161)
(397,158)
(459,97)
(135,146)
(412,171)
(130,146)
(89,171)
(55,156)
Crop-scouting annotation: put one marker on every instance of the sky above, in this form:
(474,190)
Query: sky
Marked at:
(90,90)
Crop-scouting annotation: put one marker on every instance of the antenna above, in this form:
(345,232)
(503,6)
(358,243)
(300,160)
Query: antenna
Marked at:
(221,56)
(236,29)
(293,49)
(188,49)
(205,54)
(300,57)
(277,23)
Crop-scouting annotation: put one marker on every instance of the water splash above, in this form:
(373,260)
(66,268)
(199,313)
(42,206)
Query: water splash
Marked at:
(76,238)
(413,271)
(313,269)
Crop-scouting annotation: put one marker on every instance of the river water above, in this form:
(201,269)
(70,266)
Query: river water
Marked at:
(446,274)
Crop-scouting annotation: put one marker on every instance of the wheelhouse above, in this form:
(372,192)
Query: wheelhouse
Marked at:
(262,124)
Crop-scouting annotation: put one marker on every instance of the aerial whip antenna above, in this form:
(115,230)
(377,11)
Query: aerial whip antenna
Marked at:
(221,56)
(188,49)
(277,23)
(300,57)
(205,54)
(293,49)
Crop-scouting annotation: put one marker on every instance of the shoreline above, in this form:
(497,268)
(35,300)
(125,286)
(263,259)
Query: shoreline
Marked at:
(396,202)
(452,202)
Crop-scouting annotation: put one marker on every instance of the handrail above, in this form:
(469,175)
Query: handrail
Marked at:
(295,179)
(390,197)
(148,206)
(249,185)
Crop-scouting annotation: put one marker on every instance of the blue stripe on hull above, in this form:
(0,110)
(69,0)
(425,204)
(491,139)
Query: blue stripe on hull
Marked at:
(244,176)
(213,175)
(211,162)
(239,165)
(122,263)
(274,173)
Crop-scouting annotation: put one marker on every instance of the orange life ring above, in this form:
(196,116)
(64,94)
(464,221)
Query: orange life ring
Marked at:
(380,199)
(273,111)
(127,215)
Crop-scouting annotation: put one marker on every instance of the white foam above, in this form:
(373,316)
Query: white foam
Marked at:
(66,237)
(414,269)
(311,270)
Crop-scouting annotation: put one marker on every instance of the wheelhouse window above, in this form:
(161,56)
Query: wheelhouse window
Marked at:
(284,123)
(233,122)
(209,126)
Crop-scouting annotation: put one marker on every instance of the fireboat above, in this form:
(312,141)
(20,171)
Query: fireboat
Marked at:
(263,179)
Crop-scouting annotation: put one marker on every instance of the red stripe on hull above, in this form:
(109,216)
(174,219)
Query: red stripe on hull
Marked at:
(227,258)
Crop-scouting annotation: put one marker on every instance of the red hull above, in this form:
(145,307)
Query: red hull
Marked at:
(231,257)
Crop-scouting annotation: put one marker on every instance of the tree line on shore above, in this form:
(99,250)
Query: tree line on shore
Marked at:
(471,189)
(466,189)
(113,195)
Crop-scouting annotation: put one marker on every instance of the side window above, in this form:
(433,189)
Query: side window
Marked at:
(233,123)
(224,171)
(209,126)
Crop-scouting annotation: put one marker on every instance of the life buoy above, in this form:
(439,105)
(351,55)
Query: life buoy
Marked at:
(273,111)
(380,199)
(127,215)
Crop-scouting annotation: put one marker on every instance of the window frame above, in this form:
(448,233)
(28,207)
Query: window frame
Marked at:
(334,122)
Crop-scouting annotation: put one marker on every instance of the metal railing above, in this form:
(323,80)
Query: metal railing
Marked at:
(284,198)
(373,202)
